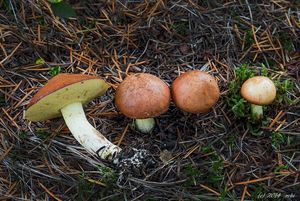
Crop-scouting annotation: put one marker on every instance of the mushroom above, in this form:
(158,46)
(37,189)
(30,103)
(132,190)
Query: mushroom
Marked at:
(195,91)
(259,91)
(143,96)
(64,95)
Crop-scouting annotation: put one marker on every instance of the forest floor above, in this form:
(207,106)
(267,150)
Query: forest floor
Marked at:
(218,155)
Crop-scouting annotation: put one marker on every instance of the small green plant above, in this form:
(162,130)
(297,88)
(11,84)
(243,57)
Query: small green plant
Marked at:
(240,108)
(279,168)
(243,73)
(193,174)
(84,188)
(215,175)
(208,150)
(278,139)
(249,40)
(40,61)
(55,70)
(238,105)
(217,171)
(108,175)
(88,190)
(264,70)
(223,196)
(254,129)
(284,89)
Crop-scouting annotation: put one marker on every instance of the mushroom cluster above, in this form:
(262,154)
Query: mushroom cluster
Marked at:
(140,96)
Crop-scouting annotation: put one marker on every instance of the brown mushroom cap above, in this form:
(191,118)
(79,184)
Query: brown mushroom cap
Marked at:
(259,90)
(62,90)
(195,91)
(142,96)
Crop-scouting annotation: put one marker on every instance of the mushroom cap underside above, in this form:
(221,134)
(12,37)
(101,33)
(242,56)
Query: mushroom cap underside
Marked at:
(62,90)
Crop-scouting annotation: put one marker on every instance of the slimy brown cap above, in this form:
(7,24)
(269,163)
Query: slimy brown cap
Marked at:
(142,96)
(195,91)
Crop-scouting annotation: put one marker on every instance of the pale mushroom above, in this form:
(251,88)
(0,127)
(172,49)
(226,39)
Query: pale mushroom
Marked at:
(258,91)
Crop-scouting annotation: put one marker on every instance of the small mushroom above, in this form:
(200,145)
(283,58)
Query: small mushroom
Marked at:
(142,97)
(64,95)
(195,91)
(259,91)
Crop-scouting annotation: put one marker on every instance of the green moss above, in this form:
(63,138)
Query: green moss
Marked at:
(226,195)
(284,92)
(193,175)
(91,191)
(249,40)
(238,105)
(108,175)
(55,70)
(278,139)
(84,188)
(264,70)
(216,165)
(279,168)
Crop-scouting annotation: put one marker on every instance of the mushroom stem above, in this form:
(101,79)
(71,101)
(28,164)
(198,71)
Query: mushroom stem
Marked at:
(256,111)
(86,134)
(145,125)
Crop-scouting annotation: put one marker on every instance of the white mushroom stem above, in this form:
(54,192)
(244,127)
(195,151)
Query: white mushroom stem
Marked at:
(145,125)
(86,134)
(256,111)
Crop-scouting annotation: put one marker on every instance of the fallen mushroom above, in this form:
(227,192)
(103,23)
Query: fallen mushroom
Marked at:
(259,91)
(195,91)
(143,96)
(64,95)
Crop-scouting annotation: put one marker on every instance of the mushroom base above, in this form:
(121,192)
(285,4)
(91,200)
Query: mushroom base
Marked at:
(145,125)
(86,134)
(256,112)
